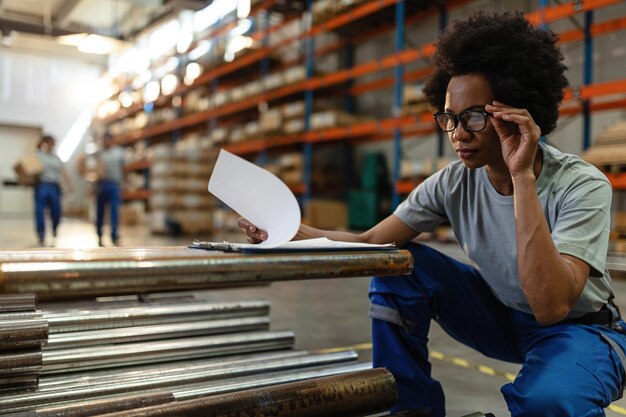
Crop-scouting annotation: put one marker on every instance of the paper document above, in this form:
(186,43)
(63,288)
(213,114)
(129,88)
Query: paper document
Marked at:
(258,195)
(267,202)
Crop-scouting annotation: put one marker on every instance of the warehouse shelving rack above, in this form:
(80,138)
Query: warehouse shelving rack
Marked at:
(577,100)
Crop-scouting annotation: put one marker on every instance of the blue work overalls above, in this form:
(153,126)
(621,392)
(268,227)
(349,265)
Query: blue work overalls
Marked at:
(47,194)
(567,369)
(109,193)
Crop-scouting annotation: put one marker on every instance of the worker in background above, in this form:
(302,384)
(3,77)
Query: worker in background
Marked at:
(534,221)
(109,189)
(48,187)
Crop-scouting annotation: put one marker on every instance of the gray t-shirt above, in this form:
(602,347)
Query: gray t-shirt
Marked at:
(576,202)
(52,166)
(113,163)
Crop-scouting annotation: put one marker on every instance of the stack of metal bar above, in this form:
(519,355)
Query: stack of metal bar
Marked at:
(23,332)
(177,354)
(120,355)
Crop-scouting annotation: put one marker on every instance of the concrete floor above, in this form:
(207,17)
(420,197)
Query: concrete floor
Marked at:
(325,315)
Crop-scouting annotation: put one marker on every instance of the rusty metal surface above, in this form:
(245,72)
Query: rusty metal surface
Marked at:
(20,362)
(22,333)
(72,279)
(351,394)
(247,372)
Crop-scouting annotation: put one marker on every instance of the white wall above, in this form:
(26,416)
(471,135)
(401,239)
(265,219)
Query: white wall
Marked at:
(44,91)
(16,142)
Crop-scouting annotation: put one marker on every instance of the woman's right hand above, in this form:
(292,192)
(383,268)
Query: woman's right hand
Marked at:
(254,234)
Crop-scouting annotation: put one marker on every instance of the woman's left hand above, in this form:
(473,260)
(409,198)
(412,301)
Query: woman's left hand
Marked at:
(519,136)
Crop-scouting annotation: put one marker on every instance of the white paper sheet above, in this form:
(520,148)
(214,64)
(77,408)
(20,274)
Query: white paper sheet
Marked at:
(258,195)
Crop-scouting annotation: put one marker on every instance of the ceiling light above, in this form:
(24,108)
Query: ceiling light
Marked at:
(91,43)
(74,136)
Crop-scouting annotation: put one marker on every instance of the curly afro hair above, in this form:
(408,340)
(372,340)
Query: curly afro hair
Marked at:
(521,62)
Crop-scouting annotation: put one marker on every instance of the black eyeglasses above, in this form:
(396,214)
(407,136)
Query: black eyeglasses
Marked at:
(473,120)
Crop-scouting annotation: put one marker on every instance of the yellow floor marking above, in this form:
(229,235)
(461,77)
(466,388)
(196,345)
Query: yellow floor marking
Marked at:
(617,409)
(360,346)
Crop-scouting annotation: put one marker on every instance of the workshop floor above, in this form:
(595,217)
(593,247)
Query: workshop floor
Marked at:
(326,314)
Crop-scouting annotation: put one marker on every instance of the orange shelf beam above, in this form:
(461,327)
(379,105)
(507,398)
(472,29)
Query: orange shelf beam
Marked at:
(597,29)
(137,165)
(366,131)
(618,180)
(136,195)
(405,187)
(297,188)
(562,11)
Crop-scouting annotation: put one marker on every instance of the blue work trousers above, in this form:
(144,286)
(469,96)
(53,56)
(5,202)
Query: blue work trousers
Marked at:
(567,369)
(109,194)
(47,195)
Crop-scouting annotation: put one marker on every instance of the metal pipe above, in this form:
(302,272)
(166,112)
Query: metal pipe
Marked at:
(215,376)
(98,318)
(18,383)
(100,406)
(351,394)
(81,279)
(18,302)
(151,371)
(70,360)
(100,254)
(20,334)
(21,315)
(20,362)
(156,332)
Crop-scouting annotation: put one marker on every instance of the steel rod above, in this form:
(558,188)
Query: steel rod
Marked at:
(155,332)
(18,302)
(22,333)
(149,253)
(151,371)
(99,406)
(214,376)
(98,318)
(52,280)
(20,362)
(69,360)
(350,394)
(18,383)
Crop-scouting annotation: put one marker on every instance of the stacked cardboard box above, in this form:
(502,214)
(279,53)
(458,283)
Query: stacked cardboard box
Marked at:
(28,169)
(179,200)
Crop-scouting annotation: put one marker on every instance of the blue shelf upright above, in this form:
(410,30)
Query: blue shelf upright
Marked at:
(308,107)
(397,104)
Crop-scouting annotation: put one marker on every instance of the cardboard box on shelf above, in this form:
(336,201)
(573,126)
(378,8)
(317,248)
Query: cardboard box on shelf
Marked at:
(619,220)
(326,214)
(27,169)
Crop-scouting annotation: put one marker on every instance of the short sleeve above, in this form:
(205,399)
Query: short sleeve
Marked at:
(583,224)
(423,210)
